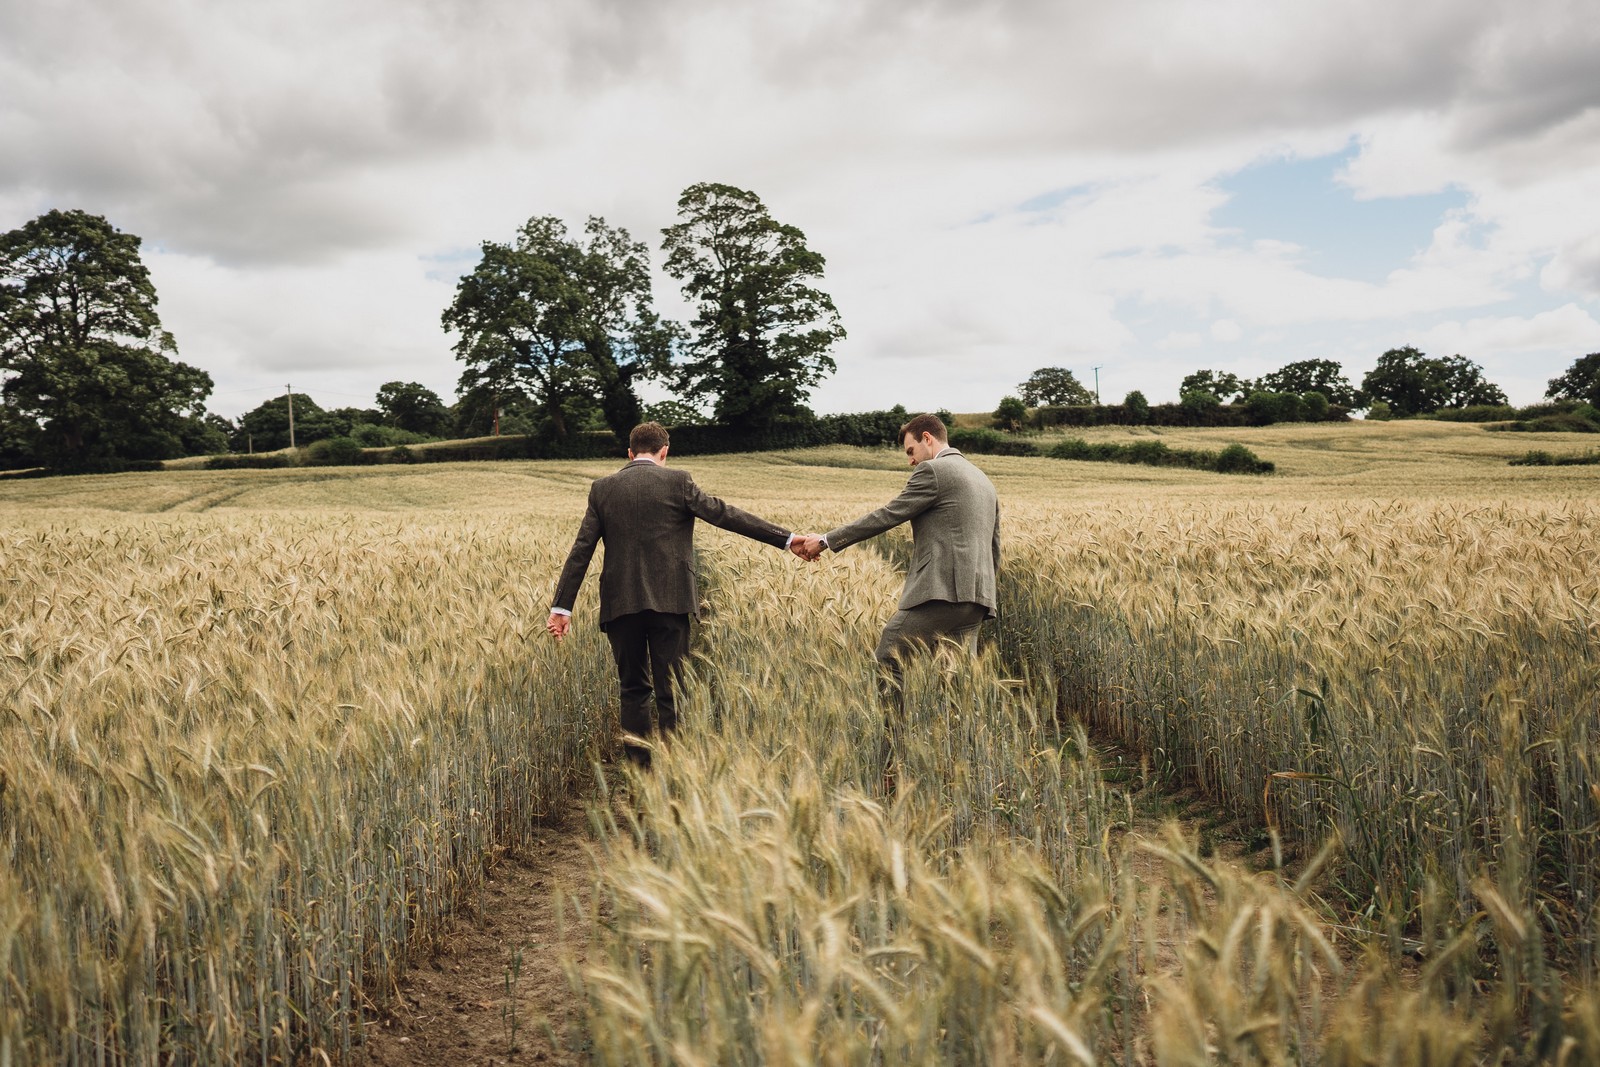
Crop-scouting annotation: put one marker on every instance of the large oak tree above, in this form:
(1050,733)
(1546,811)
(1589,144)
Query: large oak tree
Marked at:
(87,367)
(567,320)
(1312,376)
(1581,381)
(762,331)
(1412,383)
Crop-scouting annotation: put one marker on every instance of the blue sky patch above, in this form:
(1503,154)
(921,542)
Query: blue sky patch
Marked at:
(1301,202)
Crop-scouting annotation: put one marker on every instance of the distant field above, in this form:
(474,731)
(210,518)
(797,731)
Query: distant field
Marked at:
(262,728)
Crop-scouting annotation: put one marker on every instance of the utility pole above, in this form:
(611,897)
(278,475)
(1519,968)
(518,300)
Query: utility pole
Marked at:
(1096,382)
(290,388)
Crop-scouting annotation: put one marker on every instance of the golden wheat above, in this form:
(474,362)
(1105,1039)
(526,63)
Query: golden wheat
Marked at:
(261,729)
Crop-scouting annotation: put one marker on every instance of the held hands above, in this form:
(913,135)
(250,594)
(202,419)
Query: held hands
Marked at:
(807,546)
(559,624)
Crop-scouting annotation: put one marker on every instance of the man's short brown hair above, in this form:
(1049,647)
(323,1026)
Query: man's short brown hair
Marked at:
(925,424)
(648,437)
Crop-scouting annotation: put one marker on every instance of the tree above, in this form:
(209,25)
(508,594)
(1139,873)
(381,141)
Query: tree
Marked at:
(345,420)
(1411,383)
(83,356)
(1225,387)
(568,322)
(1312,376)
(205,436)
(1137,407)
(412,406)
(760,337)
(1580,382)
(486,407)
(18,436)
(266,428)
(1010,413)
(675,413)
(1465,385)
(1054,386)
(629,342)
(1264,408)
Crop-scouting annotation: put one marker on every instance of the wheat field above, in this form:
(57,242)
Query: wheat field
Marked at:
(263,729)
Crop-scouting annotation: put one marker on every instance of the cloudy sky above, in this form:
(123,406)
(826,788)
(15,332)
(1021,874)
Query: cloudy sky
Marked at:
(1145,187)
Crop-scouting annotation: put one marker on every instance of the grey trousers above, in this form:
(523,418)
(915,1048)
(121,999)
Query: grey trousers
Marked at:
(913,630)
(923,626)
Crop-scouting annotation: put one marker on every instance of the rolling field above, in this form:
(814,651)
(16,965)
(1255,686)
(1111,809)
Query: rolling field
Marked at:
(261,730)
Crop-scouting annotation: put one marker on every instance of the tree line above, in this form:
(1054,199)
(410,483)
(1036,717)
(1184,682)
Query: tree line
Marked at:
(1405,383)
(556,331)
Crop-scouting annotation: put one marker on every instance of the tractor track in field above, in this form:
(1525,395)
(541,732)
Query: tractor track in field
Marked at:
(469,1002)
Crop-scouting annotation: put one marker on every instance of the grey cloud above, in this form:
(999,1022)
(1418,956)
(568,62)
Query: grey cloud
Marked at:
(253,132)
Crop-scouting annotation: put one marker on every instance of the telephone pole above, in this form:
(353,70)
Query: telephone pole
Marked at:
(290,388)
(1096,382)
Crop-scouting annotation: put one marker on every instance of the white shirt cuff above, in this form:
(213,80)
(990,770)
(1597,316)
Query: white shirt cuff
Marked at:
(560,611)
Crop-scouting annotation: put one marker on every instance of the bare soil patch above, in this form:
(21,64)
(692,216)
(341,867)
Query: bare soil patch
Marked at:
(456,1007)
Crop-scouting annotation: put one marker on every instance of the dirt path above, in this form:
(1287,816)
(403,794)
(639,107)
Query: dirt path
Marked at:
(455,1008)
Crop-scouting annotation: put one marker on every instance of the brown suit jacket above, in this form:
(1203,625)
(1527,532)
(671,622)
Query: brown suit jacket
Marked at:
(645,515)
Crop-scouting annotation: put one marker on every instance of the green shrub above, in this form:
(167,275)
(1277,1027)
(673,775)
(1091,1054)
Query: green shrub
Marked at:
(1198,404)
(1237,459)
(1379,411)
(1314,406)
(991,442)
(246,461)
(1538,457)
(1477,413)
(1150,453)
(335,452)
(1010,414)
(1549,407)
(375,435)
(1263,408)
(1568,423)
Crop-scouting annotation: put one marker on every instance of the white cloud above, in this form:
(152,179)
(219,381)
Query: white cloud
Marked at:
(298,168)
(1568,328)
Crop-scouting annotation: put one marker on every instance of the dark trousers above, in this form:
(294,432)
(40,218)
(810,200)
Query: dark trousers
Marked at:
(649,647)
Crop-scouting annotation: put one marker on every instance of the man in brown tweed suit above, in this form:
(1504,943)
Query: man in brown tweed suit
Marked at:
(645,513)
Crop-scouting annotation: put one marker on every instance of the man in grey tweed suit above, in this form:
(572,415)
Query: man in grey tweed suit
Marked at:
(645,513)
(955,529)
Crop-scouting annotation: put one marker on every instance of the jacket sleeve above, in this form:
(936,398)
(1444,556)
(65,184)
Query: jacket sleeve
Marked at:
(920,494)
(996,548)
(720,513)
(589,533)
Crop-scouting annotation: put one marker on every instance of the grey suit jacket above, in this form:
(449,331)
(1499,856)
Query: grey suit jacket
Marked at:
(645,515)
(955,526)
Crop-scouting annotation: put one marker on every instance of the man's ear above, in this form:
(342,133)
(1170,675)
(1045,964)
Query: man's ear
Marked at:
(631,456)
